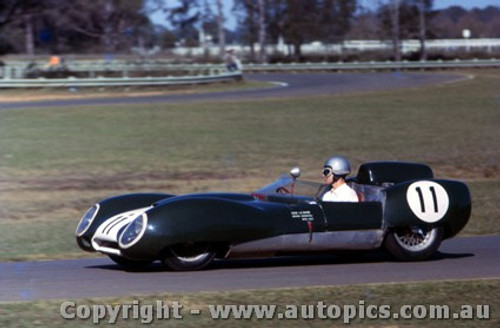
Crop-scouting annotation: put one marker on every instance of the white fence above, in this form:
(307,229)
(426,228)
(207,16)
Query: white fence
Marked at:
(486,45)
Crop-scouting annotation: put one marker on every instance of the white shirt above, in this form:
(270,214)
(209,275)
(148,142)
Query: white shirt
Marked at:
(343,193)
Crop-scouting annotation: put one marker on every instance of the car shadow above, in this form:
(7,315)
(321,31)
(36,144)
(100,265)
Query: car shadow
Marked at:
(339,258)
(350,257)
(444,256)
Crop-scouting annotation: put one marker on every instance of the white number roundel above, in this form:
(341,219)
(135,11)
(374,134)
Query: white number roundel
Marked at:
(428,200)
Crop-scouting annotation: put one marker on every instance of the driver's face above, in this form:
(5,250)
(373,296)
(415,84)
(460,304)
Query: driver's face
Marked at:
(328,175)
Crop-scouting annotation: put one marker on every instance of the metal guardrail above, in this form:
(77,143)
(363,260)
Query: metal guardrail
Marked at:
(72,82)
(403,65)
(214,72)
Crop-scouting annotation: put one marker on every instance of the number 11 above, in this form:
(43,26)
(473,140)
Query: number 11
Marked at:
(422,200)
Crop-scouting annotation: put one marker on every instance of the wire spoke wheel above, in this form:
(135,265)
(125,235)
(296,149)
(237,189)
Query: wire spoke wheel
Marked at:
(189,256)
(414,238)
(190,252)
(414,242)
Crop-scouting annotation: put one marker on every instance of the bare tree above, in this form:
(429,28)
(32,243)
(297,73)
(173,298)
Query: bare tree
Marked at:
(111,23)
(424,9)
(8,9)
(248,22)
(204,34)
(220,28)
(107,21)
(29,40)
(185,17)
(262,31)
(395,29)
(300,22)
(23,12)
(422,29)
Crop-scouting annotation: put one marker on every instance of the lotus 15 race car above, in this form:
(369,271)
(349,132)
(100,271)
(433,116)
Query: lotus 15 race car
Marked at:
(402,208)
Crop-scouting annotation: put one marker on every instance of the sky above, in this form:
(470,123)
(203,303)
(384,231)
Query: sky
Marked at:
(467,4)
(438,4)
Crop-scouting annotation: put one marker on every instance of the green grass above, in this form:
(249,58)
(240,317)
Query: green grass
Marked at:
(452,294)
(54,163)
(453,125)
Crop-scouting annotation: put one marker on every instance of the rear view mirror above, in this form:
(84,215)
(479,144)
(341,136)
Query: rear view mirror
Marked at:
(295,172)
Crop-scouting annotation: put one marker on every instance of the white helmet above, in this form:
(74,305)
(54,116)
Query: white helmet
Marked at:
(339,165)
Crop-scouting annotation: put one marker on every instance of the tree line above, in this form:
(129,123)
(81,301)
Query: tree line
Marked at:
(115,26)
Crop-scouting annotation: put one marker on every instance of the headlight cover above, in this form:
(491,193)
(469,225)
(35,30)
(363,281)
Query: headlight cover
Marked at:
(134,231)
(86,220)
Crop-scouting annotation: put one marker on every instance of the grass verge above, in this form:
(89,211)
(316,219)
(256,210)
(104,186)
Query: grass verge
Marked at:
(429,304)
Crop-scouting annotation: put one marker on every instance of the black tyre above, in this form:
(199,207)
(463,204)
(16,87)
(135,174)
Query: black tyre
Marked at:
(189,256)
(130,264)
(413,243)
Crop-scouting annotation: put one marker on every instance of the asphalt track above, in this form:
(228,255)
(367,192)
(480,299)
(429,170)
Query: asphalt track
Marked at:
(459,258)
(286,85)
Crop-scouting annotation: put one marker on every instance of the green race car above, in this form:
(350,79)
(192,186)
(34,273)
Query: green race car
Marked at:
(402,208)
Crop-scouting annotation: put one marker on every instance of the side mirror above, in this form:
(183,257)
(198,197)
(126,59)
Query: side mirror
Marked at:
(295,172)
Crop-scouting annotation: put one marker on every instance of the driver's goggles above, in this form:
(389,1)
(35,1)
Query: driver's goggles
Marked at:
(327,171)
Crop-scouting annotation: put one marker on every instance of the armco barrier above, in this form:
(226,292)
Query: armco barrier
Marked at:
(123,81)
(388,65)
(214,73)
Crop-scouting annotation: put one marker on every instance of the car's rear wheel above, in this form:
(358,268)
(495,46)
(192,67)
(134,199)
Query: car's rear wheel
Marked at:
(189,256)
(129,264)
(413,243)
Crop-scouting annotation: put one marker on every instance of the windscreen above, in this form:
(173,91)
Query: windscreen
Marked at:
(285,186)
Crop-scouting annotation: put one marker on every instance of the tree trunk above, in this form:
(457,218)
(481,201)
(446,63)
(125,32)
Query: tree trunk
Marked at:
(28,35)
(297,50)
(220,28)
(423,51)
(395,30)
(251,27)
(107,37)
(262,32)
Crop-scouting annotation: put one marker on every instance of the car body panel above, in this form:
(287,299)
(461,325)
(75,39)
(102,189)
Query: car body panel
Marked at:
(305,242)
(353,216)
(198,218)
(110,207)
(399,213)
(105,238)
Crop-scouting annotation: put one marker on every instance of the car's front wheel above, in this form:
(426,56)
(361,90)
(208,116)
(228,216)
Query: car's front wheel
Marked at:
(188,256)
(413,243)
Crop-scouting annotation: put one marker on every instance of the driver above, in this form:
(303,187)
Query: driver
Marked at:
(335,170)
